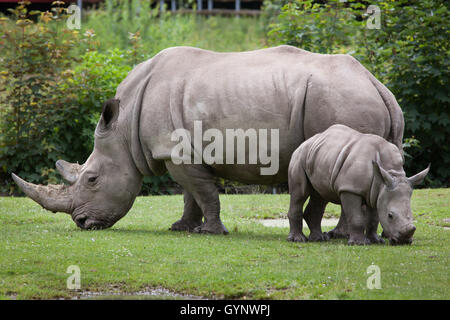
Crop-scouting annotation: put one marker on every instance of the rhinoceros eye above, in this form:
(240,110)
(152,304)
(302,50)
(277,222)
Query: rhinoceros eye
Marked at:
(92,180)
(391,215)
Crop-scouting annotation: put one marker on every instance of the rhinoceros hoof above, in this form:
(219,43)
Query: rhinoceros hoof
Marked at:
(358,241)
(337,234)
(297,237)
(211,228)
(319,237)
(376,240)
(183,225)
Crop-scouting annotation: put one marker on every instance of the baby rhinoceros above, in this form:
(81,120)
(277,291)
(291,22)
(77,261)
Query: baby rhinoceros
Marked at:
(362,172)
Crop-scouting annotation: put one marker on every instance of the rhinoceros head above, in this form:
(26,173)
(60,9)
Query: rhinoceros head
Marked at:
(394,204)
(103,189)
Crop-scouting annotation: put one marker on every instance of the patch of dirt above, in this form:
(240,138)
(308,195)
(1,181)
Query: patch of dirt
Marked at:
(146,293)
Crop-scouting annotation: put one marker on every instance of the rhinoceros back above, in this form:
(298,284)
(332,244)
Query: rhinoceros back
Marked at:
(340,160)
(284,88)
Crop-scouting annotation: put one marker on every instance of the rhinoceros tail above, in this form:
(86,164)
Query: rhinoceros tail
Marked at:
(395,112)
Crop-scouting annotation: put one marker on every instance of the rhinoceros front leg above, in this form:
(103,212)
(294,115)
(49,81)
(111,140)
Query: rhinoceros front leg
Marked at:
(356,218)
(341,230)
(192,215)
(199,182)
(372,226)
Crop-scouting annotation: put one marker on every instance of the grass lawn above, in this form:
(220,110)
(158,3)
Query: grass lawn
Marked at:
(252,262)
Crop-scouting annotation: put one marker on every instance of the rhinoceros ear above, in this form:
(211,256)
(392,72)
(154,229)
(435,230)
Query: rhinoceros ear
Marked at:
(383,174)
(110,113)
(418,178)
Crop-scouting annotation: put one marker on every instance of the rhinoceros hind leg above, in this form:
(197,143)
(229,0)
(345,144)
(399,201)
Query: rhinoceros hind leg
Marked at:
(192,215)
(299,189)
(313,217)
(199,182)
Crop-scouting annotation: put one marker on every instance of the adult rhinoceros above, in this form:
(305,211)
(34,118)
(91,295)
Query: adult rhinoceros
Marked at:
(285,88)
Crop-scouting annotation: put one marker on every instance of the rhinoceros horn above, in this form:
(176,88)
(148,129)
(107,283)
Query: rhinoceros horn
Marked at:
(418,178)
(56,198)
(69,171)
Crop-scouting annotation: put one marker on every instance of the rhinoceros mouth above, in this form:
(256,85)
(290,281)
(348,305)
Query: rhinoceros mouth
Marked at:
(399,241)
(85,222)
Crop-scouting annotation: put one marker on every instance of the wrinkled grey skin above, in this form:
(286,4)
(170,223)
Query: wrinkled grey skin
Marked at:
(362,172)
(298,92)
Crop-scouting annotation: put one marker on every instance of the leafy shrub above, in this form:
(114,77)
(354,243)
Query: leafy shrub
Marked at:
(415,41)
(409,53)
(96,78)
(38,116)
(51,101)
(322,28)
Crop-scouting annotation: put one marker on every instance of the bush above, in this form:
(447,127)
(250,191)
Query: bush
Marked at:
(96,78)
(409,54)
(322,28)
(38,116)
(415,41)
(51,102)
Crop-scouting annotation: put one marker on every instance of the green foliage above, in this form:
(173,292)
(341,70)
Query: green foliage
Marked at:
(322,28)
(273,7)
(38,116)
(409,54)
(415,39)
(96,78)
(116,21)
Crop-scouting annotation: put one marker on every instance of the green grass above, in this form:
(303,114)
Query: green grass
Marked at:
(253,261)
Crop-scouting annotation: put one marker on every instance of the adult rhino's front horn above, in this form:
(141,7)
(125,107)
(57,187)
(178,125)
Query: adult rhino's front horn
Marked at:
(56,198)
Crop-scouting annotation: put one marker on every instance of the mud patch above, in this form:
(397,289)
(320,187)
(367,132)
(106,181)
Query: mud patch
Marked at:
(145,294)
(446,222)
(284,223)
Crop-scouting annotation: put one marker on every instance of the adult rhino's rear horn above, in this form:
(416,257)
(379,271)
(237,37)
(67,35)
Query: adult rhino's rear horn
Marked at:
(55,198)
(69,171)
